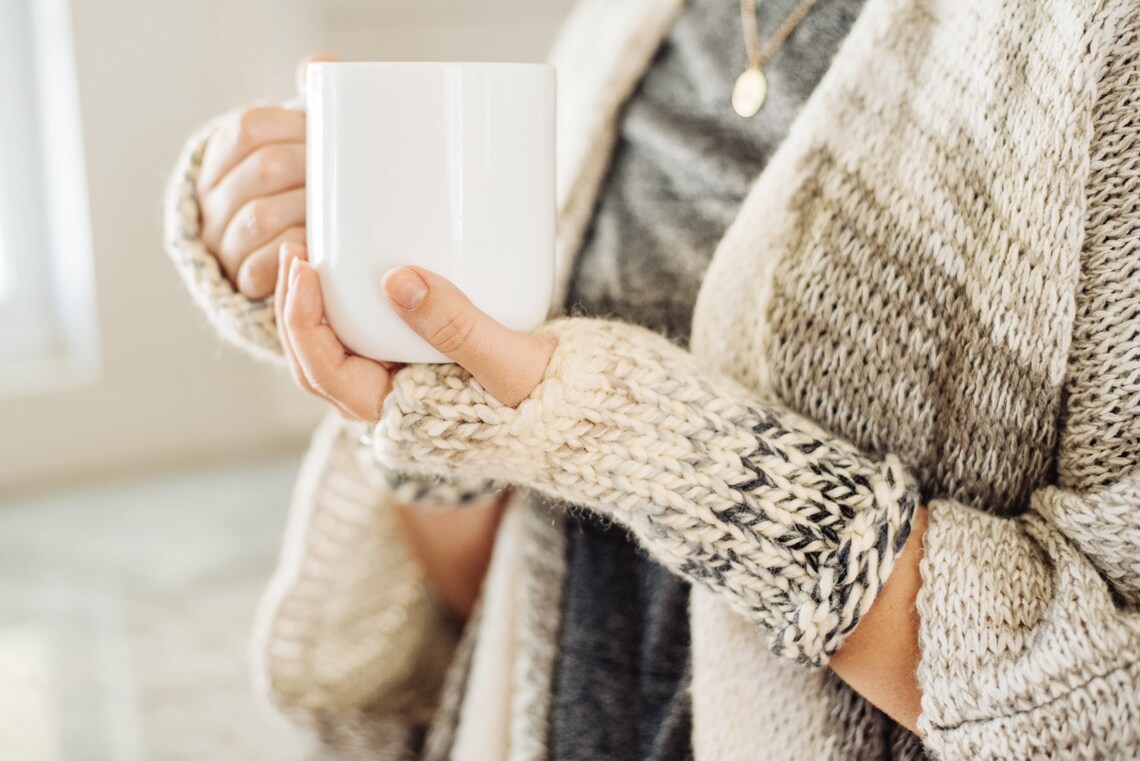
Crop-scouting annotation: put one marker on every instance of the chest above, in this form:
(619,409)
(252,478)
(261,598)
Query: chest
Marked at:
(904,270)
(684,160)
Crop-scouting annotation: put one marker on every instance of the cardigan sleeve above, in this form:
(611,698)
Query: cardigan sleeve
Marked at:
(1030,627)
(797,528)
(349,629)
(248,324)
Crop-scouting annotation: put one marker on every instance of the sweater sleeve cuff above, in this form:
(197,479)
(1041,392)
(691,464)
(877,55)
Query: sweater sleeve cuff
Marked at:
(248,324)
(797,528)
(418,488)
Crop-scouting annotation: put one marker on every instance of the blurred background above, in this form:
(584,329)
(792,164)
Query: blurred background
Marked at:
(145,468)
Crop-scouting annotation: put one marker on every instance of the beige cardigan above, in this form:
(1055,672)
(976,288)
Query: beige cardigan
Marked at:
(1029,625)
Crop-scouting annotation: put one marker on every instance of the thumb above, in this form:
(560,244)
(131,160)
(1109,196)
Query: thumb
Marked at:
(300,75)
(507,363)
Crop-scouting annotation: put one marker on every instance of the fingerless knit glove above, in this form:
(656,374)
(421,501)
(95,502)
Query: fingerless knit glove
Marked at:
(797,527)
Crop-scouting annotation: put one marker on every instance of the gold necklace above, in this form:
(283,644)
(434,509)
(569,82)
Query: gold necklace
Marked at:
(752,86)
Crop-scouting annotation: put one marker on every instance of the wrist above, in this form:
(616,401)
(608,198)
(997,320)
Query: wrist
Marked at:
(880,658)
(426,490)
(454,548)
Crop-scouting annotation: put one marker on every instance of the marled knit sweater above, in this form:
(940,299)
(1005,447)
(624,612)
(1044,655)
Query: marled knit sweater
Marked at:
(929,293)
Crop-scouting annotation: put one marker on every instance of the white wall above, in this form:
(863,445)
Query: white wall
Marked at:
(149,72)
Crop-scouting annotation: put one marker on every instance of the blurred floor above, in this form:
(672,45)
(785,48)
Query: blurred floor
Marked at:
(125,611)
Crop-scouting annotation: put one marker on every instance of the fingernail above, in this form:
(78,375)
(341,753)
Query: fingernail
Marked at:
(405,287)
(294,269)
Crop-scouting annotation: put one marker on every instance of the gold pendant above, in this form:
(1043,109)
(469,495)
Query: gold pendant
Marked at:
(749,92)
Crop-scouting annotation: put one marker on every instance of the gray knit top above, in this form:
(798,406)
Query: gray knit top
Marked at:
(682,166)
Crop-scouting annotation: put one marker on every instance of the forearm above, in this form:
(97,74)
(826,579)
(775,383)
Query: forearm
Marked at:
(880,658)
(454,546)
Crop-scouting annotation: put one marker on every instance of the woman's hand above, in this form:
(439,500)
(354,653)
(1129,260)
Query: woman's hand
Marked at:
(251,190)
(507,363)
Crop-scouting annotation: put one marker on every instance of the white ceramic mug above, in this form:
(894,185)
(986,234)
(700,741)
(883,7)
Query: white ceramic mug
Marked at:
(447,166)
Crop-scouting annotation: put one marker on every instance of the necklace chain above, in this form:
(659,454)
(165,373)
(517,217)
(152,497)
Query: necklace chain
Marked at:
(752,87)
(757,58)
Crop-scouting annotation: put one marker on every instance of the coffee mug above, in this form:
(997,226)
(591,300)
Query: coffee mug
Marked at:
(447,166)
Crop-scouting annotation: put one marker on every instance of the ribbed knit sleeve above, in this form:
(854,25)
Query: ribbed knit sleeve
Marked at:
(797,528)
(349,624)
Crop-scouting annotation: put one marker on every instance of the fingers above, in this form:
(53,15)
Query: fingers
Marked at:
(251,190)
(301,74)
(257,274)
(257,223)
(506,362)
(288,253)
(355,384)
(244,132)
(267,171)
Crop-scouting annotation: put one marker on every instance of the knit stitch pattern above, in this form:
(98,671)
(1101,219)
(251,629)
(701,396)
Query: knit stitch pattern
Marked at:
(798,528)
(372,643)
(942,262)
(245,323)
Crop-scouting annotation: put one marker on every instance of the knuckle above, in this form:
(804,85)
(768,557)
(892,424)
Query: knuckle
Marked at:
(250,126)
(260,282)
(260,219)
(273,163)
(323,386)
(452,334)
(210,223)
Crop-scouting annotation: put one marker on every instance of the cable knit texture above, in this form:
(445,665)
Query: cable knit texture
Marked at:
(800,529)
(940,261)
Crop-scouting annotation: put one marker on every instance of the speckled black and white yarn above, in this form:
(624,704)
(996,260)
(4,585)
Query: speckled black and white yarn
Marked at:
(798,529)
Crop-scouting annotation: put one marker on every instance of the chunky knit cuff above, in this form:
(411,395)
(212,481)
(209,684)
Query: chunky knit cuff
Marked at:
(796,527)
(250,325)
(428,490)
(424,489)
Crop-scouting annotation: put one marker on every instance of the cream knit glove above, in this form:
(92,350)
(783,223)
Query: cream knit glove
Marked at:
(796,527)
